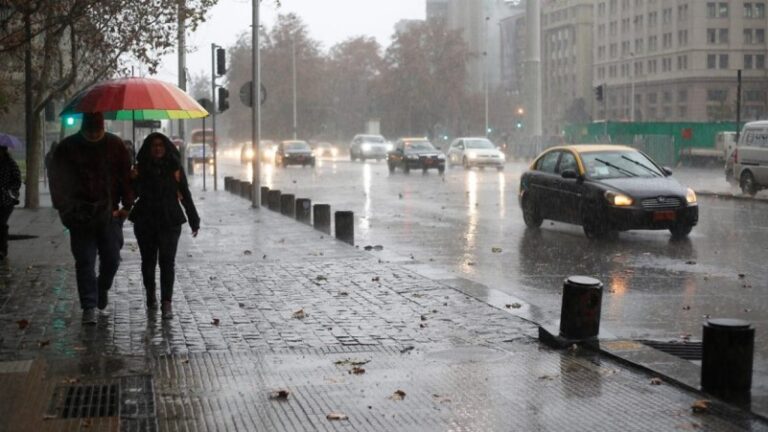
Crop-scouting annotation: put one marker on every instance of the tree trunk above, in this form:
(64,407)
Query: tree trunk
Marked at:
(32,189)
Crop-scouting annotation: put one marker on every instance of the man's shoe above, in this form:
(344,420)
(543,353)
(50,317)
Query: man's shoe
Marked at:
(166,310)
(103,299)
(89,316)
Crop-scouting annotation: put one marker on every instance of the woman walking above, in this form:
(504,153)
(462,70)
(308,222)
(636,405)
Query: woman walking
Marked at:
(161,187)
(10,183)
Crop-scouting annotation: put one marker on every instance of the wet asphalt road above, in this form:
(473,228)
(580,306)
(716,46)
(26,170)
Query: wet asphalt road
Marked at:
(656,288)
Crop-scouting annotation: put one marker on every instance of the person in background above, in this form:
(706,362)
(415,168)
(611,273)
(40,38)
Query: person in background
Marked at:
(90,176)
(131,151)
(10,183)
(162,191)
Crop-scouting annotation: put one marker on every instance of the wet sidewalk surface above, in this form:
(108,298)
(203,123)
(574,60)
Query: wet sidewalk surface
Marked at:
(265,304)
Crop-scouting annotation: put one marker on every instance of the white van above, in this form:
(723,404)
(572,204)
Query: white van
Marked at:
(750,158)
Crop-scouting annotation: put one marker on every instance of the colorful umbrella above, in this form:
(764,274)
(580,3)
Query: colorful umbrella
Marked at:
(135,99)
(9,141)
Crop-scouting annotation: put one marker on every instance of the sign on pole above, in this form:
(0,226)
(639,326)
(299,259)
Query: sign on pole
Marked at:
(246,94)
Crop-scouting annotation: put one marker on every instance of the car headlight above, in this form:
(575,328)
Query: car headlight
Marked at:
(502,156)
(472,155)
(334,151)
(366,147)
(441,156)
(618,199)
(390,147)
(690,196)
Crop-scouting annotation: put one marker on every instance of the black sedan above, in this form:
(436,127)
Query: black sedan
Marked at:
(294,153)
(415,153)
(605,188)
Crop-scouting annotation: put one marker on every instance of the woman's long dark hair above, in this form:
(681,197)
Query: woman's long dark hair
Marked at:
(145,153)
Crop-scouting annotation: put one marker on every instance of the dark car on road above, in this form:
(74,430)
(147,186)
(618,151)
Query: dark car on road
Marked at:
(294,152)
(415,153)
(605,188)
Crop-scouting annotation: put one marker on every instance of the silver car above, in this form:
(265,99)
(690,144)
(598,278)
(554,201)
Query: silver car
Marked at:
(750,158)
(369,147)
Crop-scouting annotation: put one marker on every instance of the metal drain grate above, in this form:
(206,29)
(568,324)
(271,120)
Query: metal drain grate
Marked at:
(684,350)
(85,401)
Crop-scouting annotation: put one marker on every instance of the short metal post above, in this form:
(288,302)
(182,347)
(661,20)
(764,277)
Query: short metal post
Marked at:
(288,204)
(322,217)
(235,188)
(273,200)
(264,196)
(227,183)
(727,356)
(345,226)
(304,210)
(580,313)
(245,190)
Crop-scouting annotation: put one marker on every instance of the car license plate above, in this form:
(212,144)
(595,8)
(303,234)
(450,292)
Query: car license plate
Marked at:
(662,216)
(301,158)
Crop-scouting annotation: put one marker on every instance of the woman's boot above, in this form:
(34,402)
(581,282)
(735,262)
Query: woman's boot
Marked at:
(151,299)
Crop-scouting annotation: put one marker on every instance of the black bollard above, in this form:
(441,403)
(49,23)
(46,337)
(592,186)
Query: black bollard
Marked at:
(345,226)
(264,195)
(727,355)
(304,210)
(227,183)
(322,217)
(273,200)
(288,205)
(235,189)
(580,313)
(245,190)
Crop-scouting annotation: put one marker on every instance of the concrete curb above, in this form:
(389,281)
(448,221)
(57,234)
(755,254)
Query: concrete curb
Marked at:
(731,196)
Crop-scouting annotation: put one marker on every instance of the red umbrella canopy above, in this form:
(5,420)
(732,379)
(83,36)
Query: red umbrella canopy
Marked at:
(135,99)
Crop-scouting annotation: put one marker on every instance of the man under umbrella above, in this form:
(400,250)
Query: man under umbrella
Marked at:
(10,183)
(90,177)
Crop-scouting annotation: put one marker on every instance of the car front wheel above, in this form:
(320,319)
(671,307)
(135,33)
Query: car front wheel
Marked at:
(531,215)
(594,229)
(748,185)
(681,230)
(391,167)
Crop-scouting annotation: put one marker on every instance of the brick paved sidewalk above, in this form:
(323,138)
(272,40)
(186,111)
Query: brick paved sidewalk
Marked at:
(263,304)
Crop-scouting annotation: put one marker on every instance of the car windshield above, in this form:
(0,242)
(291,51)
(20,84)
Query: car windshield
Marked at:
(479,144)
(297,146)
(373,139)
(418,146)
(619,164)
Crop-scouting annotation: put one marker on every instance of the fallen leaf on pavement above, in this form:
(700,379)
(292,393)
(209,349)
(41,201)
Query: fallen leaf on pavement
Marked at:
(686,307)
(398,395)
(241,305)
(690,262)
(656,381)
(70,381)
(422,325)
(357,371)
(513,306)
(281,394)
(215,321)
(321,278)
(378,248)
(742,275)
(406,349)
(375,279)
(247,252)
(264,256)
(337,416)
(547,377)
(343,293)
(300,314)
(368,248)
(423,317)
(701,406)
(44,343)
(351,362)
(22,323)
(496,249)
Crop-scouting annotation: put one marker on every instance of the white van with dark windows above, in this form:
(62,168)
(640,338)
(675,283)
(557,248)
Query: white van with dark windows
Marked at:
(750,158)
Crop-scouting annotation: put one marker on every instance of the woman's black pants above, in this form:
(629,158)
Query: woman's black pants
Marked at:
(158,245)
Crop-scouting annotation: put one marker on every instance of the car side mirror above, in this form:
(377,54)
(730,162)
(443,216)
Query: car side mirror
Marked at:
(570,174)
(667,171)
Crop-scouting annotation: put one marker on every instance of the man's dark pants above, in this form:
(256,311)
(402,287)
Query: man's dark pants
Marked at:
(5,214)
(106,244)
(158,244)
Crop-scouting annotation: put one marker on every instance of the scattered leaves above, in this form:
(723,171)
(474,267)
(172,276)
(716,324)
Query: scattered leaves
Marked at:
(357,371)
(513,306)
(321,278)
(656,381)
(398,395)
(378,248)
(691,262)
(70,381)
(368,248)
(337,416)
(406,349)
(701,406)
(496,249)
(242,305)
(343,294)
(247,252)
(470,263)
(686,307)
(22,323)
(44,343)
(300,314)
(742,275)
(281,394)
(351,362)
(215,321)
(375,279)
(547,377)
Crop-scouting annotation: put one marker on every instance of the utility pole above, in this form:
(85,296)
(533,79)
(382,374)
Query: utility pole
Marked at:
(31,195)
(295,119)
(485,67)
(182,35)
(738,106)
(213,113)
(533,66)
(255,106)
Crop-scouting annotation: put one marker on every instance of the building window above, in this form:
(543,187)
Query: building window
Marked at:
(754,96)
(601,53)
(717,95)
(625,25)
(638,69)
(651,66)
(748,39)
(717,36)
(601,9)
(652,44)
(723,61)
(682,13)
(667,40)
(749,12)
(666,65)
(711,36)
(638,22)
(722,10)
(711,10)
(667,97)
(612,6)
(682,62)
(625,48)
(759,36)
(711,61)
(759,10)
(682,37)
(666,16)
(760,61)
(652,98)
(683,112)
(722,36)
(614,50)
(748,61)
(614,28)
(638,46)
(682,95)
(653,19)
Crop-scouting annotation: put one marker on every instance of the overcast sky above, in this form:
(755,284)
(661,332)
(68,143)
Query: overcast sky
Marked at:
(329,21)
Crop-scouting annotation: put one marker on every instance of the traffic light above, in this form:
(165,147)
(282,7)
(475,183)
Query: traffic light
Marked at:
(221,61)
(519,124)
(69,121)
(223,99)
(599,93)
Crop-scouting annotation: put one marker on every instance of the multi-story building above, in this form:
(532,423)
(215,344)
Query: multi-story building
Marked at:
(437,10)
(513,49)
(566,60)
(677,60)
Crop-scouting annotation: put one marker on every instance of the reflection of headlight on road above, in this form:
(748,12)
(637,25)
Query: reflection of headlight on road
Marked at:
(502,156)
(366,147)
(472,155)
(334,151)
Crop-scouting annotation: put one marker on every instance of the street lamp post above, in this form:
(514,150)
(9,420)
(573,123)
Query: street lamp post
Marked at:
(632,85)
(293,62)
(485,67)
(255,106)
